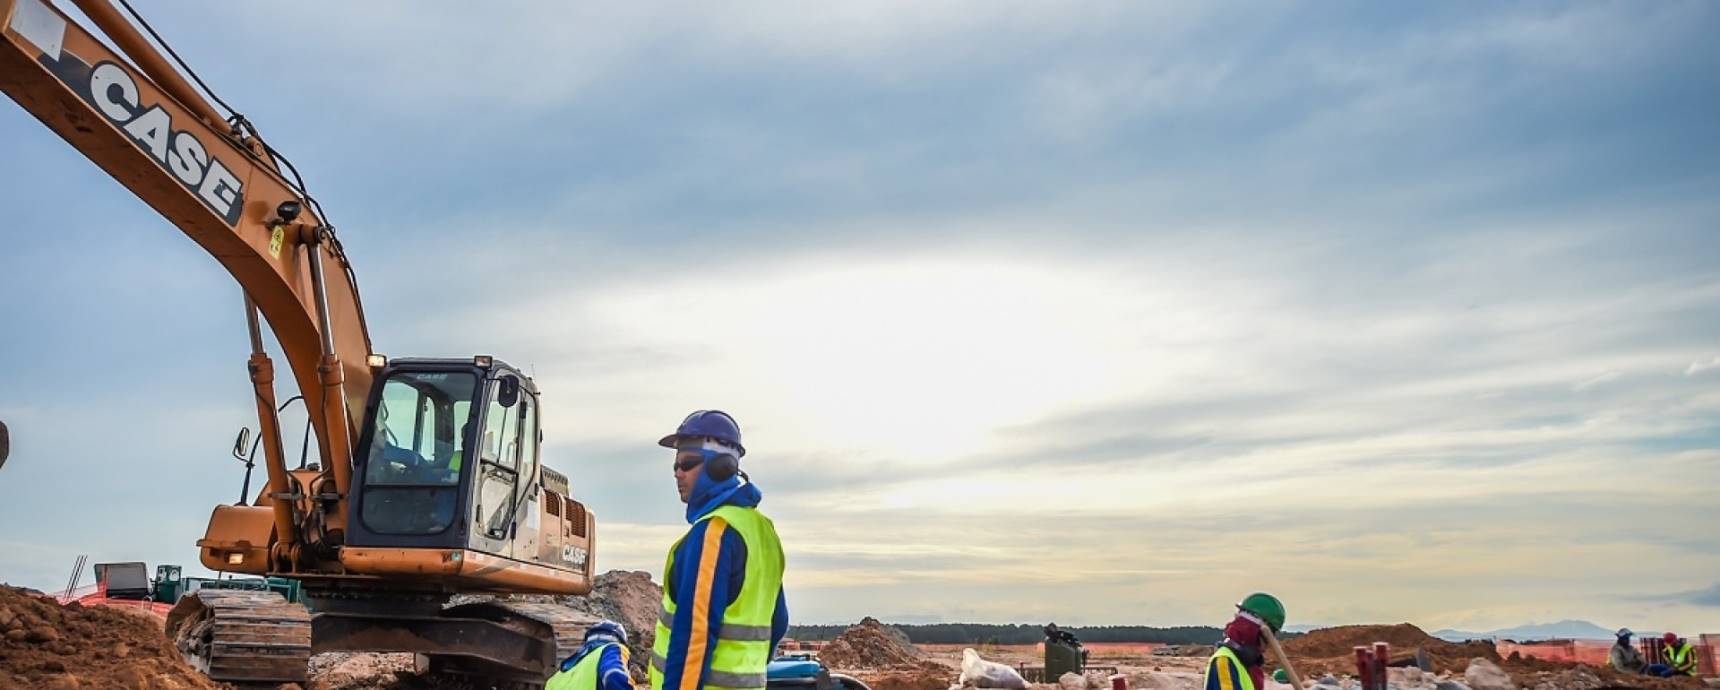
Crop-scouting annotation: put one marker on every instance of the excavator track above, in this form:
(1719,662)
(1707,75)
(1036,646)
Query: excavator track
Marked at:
(535,619)
(242,637)
(569,625)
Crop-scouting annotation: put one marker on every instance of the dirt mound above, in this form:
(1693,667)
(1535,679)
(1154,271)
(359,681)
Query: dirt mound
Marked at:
(1332,650)
(342,671)
(631,598)
(870,645)
(45,645)
(922,675)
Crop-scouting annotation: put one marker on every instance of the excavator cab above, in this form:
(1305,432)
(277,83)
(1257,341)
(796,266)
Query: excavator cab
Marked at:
(449,457)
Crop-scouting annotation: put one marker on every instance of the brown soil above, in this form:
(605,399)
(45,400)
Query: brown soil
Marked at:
(45,645)
(870,645)
(1332,650)
(922,675)
(631,598)
(339,671)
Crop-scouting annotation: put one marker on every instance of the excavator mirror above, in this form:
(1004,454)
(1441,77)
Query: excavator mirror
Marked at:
(510,393)
(5,444)
(242,443)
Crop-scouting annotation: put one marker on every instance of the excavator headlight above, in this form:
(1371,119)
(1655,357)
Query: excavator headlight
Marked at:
(235,558)
(288,211)
(483,360)
(376,361)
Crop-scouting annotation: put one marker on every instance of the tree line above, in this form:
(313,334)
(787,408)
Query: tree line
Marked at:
(1021,633)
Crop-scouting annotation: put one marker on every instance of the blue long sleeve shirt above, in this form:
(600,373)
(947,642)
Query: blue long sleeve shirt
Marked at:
(710,569)
(612,671)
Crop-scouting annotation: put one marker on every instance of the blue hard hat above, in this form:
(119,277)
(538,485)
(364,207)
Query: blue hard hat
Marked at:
(607,628)
(715,424)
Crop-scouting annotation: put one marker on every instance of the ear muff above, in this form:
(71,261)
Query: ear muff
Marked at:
(721,467)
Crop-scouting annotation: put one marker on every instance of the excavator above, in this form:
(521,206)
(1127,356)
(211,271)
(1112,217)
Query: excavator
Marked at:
(429,486)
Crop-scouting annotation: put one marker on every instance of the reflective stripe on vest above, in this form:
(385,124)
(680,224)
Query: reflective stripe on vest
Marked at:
(729,631)
(583,675)
(1228,675)
(742,644)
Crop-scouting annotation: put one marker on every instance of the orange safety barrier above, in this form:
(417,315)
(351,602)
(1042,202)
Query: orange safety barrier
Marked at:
(96,595)
(1590,652)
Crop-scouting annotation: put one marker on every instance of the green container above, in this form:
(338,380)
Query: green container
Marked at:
(1062,656)
(166,586)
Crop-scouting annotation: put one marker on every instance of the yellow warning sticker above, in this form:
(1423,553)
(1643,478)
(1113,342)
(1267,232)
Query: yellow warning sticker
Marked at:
(278,238)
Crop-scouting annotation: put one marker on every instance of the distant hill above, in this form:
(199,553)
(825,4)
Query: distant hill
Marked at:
(1562,630)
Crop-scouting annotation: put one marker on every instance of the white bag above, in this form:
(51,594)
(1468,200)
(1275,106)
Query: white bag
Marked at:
(979,673)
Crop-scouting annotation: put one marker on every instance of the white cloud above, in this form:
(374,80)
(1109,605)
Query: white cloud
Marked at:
(1699,366)
(1596,380)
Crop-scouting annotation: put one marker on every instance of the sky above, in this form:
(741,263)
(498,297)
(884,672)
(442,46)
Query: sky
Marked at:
(1100,313)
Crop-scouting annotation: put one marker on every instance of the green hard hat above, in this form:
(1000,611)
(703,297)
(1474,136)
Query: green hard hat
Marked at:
(1267,607)
(1281,676)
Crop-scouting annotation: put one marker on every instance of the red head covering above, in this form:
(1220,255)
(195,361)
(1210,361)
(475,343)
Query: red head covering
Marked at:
(1245,631)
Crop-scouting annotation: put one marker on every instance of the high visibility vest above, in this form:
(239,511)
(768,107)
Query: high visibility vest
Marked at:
(583,675)
(743,643)
(1226,672)
(1683,658)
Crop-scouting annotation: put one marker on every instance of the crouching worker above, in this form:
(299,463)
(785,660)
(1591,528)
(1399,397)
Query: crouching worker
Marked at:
(600,664)
(1239,662)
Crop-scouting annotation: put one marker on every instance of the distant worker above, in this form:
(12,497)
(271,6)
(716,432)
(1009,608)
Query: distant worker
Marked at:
(1239,662)
(1625,657)
(723,610)
(1680,655)
(600,663)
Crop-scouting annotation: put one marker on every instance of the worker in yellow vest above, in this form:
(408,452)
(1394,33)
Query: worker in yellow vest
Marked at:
(1239,662)
(723,610)
(1680,655)
(600,663)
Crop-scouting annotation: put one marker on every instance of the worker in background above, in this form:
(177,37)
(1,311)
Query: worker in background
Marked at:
(1625,657)
(1680,655)
(600,663)
(1239,662)
(723,610)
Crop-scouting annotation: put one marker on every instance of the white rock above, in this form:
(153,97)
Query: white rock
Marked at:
(1486,675)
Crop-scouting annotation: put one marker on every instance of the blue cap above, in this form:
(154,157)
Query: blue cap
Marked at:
(715,424)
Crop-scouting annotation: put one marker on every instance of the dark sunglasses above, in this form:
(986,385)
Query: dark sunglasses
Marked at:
(687,464)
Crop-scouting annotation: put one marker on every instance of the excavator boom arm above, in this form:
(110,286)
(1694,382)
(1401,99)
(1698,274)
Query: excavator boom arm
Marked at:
(222,191)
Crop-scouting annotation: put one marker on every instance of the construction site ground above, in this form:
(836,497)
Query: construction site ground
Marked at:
(46,645)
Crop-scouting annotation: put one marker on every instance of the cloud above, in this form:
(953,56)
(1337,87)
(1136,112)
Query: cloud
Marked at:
(1596,380)
(1705,597)
(1698,367)
(1176,296)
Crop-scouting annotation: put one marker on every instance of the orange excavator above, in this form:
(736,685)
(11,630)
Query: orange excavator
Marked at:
(429,482)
